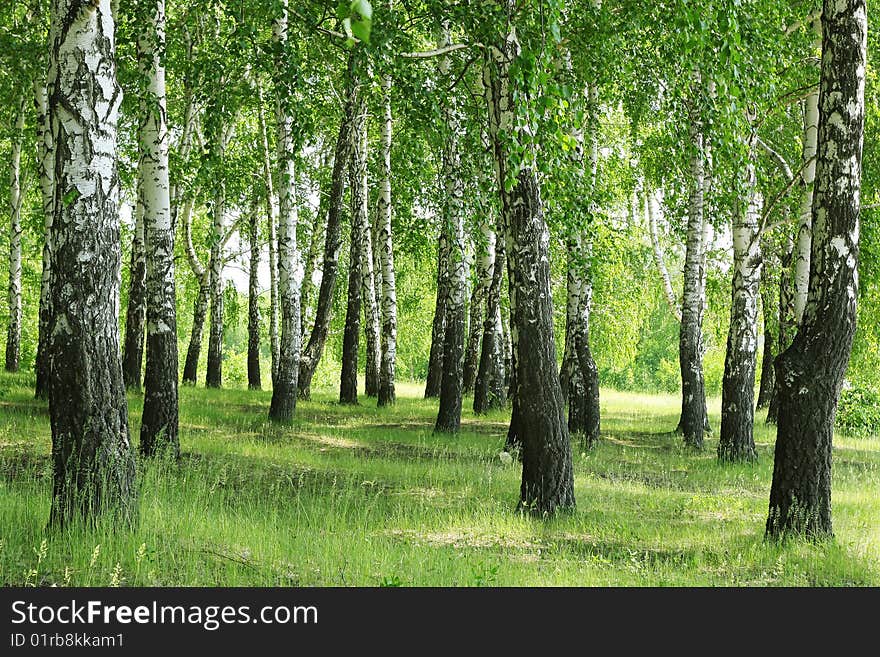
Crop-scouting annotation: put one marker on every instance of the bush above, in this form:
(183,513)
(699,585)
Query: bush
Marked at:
(858,411)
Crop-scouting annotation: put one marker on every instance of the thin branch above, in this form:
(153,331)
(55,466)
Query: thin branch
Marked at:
(783,192)
(777,157)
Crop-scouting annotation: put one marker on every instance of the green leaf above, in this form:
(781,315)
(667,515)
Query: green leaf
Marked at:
(361,30)
(70,196)
(363,8)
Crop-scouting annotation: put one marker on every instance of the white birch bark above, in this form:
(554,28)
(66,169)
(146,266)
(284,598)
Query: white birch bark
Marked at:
(46,166)
(671,299)
(290,270)
(160,414)
(808,176)
(272,219)
(385,246)
(13,333)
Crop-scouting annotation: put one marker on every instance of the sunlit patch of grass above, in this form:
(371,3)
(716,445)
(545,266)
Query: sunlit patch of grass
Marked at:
(364,496)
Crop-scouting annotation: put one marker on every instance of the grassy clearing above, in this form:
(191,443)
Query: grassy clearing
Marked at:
(360,496)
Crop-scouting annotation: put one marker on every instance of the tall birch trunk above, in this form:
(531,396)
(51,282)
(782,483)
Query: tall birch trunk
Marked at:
(284,385)
(385,247)
(136,312)
(93,463)
(253,355)
(159,423)
(484,265)
(200,305)
(361,217)
(438,327)
(449,413)
(736,442)
(547,478)
(765,392)
(690,344)
(489,387)
(808,176)
(46,165)
(13,328)
(332,243)
(214,367)
(812,370)
(671,298)
(272,220)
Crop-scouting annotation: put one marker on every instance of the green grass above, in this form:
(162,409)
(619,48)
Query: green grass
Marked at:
(365,496)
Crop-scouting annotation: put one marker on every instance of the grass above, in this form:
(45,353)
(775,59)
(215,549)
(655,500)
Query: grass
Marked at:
(359,496)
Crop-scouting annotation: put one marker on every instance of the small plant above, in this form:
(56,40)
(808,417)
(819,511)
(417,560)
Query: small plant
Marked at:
(858,411)
(390,580)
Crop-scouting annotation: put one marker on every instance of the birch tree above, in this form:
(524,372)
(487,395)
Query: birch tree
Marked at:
(93,463)
(46,165)
(136,311)
(452,218)
(284,385)
(13,328)
(160,415)
(811,371)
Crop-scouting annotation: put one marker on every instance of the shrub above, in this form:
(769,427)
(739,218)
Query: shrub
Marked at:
(858,411)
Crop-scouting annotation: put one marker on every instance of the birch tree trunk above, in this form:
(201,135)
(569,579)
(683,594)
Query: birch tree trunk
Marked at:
(449,413)
(690,344)
(217,141)
(765,392)
(489,388)
(159,423)
(438,327)
(547,479)
(316,239)
(484,265)
(93,463)
(785,322)
(200,306)
(385,246)
(13,328)
(272,220)
(737,442)
(583,393)
(253,357)
(348,386)
(671,299)
(361,217)
(136,312)
(812,370)
(284,385)
(46,165)
(808,176)
(332,243)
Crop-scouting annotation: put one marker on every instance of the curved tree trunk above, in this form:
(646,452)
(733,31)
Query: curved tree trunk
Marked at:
(13,328)
(46,165)
(690,343)
(253,356)
(658,257)
(385,247)
(93,463)
(484,266)
(200,306)
(159,423)
(736,442)
(489,390)
(284,385)
(547,478)
(812,370)
(136,313)
(438,328)
(332,243)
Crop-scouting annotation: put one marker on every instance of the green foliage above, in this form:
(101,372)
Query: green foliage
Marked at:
(858,411)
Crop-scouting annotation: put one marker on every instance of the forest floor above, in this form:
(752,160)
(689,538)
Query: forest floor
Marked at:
(366,496)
